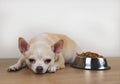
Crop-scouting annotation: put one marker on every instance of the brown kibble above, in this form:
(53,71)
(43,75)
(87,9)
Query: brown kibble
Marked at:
(90,54)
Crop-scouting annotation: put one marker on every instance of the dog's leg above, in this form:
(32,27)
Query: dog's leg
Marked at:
(60,62)
(52,68)
(17,66)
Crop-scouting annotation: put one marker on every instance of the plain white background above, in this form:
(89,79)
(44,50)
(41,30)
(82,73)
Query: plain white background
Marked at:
(93,24)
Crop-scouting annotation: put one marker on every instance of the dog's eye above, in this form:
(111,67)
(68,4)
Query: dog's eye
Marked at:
(47,61)
(31,60)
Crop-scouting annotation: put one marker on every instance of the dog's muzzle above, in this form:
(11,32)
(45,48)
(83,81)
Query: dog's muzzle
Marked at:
(39,69)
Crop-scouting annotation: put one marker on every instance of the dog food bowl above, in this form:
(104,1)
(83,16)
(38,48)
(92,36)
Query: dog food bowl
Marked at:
(89,63)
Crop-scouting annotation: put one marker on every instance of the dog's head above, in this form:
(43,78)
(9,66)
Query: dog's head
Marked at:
(39,57)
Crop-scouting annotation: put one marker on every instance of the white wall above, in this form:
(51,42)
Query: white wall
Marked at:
(93,24)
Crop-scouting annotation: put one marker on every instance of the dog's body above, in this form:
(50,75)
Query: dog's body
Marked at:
(46,52)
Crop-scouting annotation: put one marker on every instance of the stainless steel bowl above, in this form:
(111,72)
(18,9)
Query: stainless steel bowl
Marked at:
(89,63)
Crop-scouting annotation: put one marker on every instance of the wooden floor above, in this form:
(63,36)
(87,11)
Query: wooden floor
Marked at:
(68,75)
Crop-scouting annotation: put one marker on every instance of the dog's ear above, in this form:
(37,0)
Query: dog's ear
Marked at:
(57,47)
(23,45)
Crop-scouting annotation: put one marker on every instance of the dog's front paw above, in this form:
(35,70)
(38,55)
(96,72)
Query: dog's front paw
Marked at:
(14,68)
(60,66)
(52,69)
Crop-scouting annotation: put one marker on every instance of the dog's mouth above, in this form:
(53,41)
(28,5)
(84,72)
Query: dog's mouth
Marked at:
(39,69)
(36,72)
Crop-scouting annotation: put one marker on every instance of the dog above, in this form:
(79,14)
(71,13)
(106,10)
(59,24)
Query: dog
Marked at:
(46,52)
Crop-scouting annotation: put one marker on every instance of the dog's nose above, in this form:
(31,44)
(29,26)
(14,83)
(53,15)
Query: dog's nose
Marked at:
(39,69)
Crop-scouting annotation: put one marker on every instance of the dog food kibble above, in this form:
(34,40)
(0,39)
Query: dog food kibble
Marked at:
(90,54)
